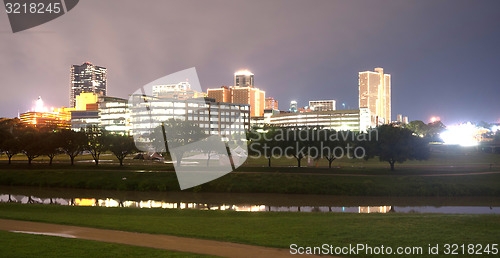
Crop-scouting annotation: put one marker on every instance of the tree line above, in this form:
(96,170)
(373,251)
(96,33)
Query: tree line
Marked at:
(33,142)
(430,131)
(388,143)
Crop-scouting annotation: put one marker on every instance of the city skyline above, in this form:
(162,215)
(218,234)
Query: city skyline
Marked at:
(443,65)
(137,128)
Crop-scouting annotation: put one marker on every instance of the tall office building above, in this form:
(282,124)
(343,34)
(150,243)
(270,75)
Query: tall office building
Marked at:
(87,78)
(271,103)
(375,94)
(243,78)
(250,96)
(241,95)
(243,92)
(222,94)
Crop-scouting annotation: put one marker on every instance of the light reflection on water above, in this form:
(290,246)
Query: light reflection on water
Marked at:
(110,202)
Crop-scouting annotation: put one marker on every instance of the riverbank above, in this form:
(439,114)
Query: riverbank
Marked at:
(363,182)
(275,229)
(454,173)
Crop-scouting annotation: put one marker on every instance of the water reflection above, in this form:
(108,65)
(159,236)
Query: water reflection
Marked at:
(108,202)
(111,202)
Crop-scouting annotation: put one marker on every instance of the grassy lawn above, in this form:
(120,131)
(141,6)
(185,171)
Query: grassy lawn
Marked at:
(25,245)
(400,183)
(275,229)
(283,177)
(457,156)
(446,156)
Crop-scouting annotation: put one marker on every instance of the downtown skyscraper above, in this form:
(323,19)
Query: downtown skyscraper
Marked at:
(87,78)
(243,78)
(375,94)
(243,92)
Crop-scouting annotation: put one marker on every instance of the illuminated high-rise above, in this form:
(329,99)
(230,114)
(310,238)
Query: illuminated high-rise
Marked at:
(271,103)
(87,78)
(375,94)
(222,94)
(241,95)
(243,78)
(251,96)
(243,92)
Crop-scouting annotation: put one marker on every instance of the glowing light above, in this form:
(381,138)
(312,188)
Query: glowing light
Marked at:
(39,107)
(495,128)
(85,202)
(435,119)
(463,135)
(243,72)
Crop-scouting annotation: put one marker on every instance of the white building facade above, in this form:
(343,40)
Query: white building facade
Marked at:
(215,118)
(340,120)
(114,115)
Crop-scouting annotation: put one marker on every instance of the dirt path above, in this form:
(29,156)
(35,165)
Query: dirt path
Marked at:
(173,243)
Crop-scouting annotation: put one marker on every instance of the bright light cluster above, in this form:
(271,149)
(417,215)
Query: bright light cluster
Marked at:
(40,106)
(243,72)
(435,119)
(463,135)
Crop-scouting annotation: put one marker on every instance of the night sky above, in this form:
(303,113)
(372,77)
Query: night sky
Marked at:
(444,56)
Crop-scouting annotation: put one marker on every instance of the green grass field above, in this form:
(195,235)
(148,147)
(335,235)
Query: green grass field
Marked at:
(25,245)
(375,177)
(406,182)
(275,229)
(444,156)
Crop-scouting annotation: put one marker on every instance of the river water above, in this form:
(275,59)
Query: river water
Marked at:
(255,202)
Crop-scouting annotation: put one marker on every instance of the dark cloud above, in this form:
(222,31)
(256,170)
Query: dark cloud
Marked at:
(443,55)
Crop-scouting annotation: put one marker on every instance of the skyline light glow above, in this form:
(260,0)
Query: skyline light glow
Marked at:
(39,107)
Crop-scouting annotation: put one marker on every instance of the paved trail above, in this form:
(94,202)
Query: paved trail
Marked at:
(173,243)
